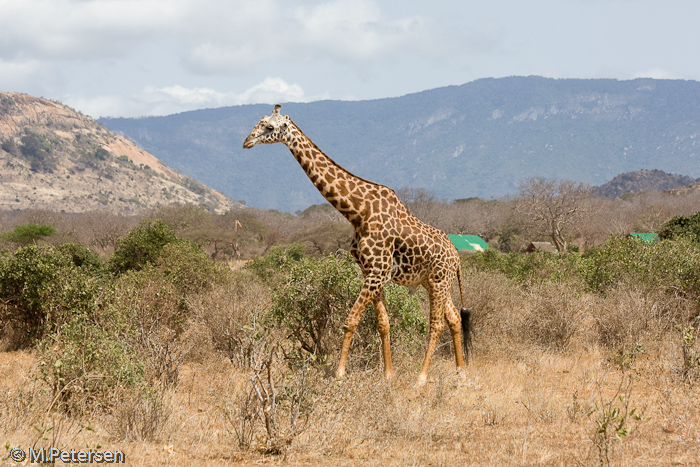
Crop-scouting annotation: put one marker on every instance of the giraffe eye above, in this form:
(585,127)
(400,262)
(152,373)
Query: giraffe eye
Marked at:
(270,127)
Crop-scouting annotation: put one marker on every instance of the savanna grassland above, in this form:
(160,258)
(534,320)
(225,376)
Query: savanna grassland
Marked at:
(151,335)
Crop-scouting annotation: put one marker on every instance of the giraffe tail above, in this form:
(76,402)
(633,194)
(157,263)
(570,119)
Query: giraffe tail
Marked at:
(465,316)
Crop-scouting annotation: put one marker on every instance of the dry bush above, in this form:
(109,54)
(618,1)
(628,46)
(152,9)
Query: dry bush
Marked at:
(628,312)
(226,310)
(552,315)
(495,303)
(274,404)
(23,397)
(28,411)
(12,336)
(140,416)
(156,317)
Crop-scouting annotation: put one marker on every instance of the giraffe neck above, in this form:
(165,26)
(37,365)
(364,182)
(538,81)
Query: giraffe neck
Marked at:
(343,190)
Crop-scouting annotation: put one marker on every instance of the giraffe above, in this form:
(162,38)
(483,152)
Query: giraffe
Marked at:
(389,244)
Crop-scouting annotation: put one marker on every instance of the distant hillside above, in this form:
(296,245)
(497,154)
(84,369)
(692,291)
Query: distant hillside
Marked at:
(643,180)
(52,157)
(477,139)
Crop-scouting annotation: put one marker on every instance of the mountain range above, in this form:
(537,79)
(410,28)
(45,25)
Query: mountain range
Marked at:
(477,139)
(52,157)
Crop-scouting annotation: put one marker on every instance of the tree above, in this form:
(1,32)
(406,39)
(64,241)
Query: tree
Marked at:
(553,204)
(29,233)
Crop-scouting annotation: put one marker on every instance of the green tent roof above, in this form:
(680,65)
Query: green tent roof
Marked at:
(647,237)
(468,242)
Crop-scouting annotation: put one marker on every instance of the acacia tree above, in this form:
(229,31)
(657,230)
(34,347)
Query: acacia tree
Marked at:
(553,204)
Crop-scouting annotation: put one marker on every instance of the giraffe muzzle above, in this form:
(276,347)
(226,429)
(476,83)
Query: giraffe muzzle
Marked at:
(249,142)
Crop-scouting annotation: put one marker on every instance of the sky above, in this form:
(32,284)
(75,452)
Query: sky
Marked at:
(132,58)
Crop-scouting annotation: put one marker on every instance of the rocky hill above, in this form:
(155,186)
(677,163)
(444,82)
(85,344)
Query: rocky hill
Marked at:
(643,180)
(52,157)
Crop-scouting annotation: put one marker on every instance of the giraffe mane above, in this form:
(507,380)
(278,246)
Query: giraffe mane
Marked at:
(330,159)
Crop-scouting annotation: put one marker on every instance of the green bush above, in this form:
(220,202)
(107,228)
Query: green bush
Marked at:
(99,333)
(535,267)
(130,336)
(43,287)
(141,246)
(682,226)
(278,257)
(314,296)
(84,362)
(673,266)
(37,150)
(188,268)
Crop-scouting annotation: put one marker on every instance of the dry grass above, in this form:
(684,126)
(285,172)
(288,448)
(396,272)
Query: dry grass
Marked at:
(537,408)
(550,368)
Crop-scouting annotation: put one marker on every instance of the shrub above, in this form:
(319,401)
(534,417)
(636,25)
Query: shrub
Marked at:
(673,266)
(229,312)
(141,246)
(314,296)
(131,337)
(45,286)
(101,333)
(536,267)
(682,226)
(553,314)
(37,150)
(84,363)
(278,257)
(10,146)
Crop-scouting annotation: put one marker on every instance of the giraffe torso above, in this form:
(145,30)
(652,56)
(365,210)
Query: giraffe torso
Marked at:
(390,240)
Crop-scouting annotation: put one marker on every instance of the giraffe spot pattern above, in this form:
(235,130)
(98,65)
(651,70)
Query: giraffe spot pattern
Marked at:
(389,243)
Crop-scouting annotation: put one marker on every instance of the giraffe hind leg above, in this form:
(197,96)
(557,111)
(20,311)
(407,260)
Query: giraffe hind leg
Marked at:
(437,323)
(460,336)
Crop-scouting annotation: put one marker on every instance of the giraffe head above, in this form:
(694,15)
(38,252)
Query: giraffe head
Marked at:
(272,129)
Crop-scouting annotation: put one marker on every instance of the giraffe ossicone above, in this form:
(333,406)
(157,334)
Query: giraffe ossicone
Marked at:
(389,244)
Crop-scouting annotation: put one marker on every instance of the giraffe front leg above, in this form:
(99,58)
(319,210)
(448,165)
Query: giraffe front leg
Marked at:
(367,295)
(383,330)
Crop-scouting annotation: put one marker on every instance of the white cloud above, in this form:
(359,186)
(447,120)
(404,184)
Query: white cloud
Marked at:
(209,58)
(67,29)
(13,74)
(272,91)
(174,99)
(336,30)
(355,29)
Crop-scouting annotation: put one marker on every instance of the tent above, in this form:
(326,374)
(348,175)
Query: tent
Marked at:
(468,243)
